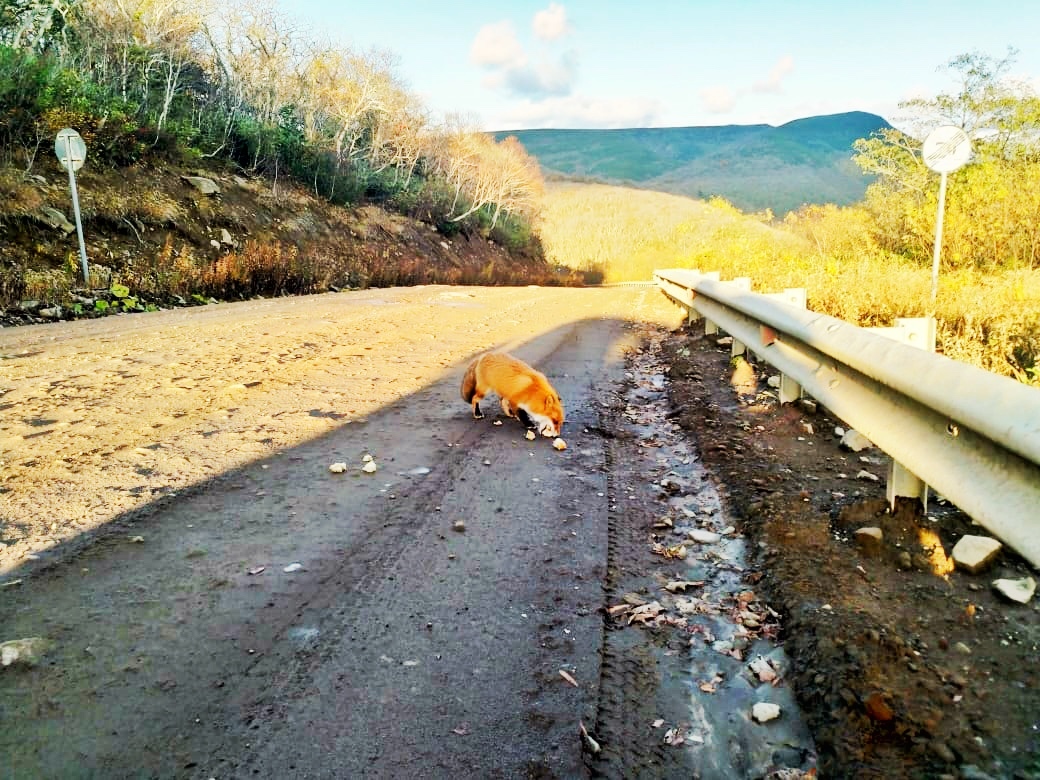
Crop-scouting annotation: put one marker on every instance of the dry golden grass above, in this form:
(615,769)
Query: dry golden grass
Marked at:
(991,320)
(19,197)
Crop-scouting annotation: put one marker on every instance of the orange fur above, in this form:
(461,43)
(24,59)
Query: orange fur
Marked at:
(522,390)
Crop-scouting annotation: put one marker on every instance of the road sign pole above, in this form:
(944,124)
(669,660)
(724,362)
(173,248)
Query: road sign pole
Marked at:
(75,210)
(938,238)
(945,150)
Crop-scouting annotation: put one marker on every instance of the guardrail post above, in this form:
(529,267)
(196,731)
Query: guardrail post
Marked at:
(710,328)
(789,390)
(742,283)
(917,332)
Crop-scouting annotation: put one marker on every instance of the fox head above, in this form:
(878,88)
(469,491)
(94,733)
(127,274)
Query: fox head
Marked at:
(548,415)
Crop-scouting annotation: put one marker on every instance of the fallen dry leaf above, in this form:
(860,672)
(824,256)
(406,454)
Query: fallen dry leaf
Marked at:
(877,708)
(592,744)
(763,669)
(645,613)
(566,676)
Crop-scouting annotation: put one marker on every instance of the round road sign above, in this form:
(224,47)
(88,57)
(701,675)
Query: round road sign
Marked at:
(946,149)
(70,148)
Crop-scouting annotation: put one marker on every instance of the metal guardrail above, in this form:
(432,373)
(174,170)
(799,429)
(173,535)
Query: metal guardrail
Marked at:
(972,435)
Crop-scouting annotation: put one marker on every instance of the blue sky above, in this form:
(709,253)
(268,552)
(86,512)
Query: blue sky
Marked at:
(658,63)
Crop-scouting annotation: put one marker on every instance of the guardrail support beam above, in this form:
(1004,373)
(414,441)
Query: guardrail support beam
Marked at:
(902,482)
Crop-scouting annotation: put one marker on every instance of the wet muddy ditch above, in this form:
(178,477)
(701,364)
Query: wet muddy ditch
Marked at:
(694,681)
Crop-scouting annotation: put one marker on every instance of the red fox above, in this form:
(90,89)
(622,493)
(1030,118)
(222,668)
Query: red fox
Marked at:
(525,393)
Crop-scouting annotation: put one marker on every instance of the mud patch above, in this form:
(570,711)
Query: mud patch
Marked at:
(902,668)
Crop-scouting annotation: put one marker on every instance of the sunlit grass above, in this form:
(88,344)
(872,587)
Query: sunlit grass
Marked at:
(990,319)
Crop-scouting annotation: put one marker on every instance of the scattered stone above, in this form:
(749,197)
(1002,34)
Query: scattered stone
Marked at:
(225,237)
(864,474)
(943,752)
(559,444)
(51,313)
(774,382)
(869,539)
(807,405)
(904,561)
(370,467)
(975,553)
(962,648)
(459,526)
(202,184)
(763,712)
(26,652)
(29,306)
(854,440)
(725,341)
(704,537)
(55,219)
(1020,591)
(338,468)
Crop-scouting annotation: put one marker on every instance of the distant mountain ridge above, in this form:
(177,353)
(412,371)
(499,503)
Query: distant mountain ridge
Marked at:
(753,166)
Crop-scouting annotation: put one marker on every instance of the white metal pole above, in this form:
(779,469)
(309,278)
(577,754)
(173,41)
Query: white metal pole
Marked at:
(75,210)
(938,238)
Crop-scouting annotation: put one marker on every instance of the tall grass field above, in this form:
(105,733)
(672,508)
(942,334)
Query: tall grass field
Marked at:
(988,318)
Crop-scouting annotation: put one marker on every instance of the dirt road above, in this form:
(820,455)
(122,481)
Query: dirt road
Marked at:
(213,601)
(217,603)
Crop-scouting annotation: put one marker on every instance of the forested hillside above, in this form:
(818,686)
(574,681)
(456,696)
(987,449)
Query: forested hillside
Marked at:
(243,94)
(754,167)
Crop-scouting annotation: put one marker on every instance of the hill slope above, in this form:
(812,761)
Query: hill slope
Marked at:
(752,166)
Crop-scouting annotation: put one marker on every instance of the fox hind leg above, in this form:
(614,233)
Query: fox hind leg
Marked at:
(507,408)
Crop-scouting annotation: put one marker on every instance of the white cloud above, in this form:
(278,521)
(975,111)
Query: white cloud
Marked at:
(551,23)
(509,67)
(582,111)
(774,82)
(542,79)
(718,100)
(496,46)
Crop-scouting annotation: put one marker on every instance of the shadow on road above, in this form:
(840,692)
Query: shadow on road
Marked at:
(286,619)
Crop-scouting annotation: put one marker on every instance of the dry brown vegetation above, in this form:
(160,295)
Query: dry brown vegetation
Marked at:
(149,231)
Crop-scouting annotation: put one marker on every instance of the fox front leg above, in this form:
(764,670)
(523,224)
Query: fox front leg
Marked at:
(525,418)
